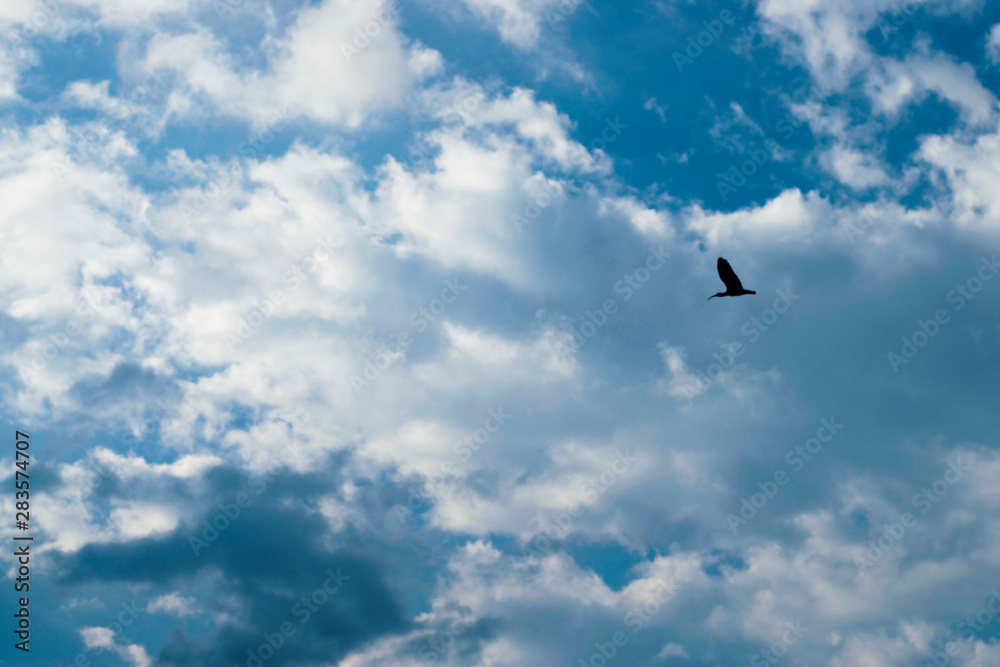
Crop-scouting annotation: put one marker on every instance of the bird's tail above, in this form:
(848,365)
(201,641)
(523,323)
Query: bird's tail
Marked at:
(751,292)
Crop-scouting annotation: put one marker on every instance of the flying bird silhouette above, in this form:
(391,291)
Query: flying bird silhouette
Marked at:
(732,282)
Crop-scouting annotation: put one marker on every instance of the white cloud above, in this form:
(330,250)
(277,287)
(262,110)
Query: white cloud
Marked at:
(121,13)
(133,654)
(647,221)
(73,514)
(309,73)
(788,218)
(476,356)
(460,215)
(476,209)
(830,39)
(855,169)
(681,383)
(89,95)
(672,650)
(567,496)
(541,124)
(652,105)
(896,83)
(72,301)
(417,447)
(15,57)
(97,637)
(139,519)
(223,245)
(993,44)
(173,604)
(971,171)
(391,235)
(825,36)
(192,466)
(519,22)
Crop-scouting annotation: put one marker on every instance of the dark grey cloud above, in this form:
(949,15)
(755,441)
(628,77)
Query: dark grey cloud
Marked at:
(257,570)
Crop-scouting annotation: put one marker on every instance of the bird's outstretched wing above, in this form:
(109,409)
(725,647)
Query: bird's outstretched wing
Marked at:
(729,277)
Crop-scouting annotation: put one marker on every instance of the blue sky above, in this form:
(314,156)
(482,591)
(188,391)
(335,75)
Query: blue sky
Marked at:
(362,333)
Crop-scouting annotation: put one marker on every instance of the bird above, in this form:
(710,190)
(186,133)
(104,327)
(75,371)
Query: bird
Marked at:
(732,282)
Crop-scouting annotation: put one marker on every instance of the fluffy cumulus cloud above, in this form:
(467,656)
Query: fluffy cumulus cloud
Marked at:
(337,62)
(356,333)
